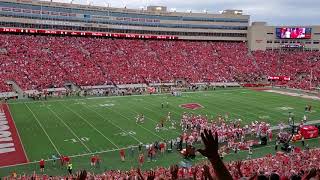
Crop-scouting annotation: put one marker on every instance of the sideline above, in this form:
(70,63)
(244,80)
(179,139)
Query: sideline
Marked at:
(78,98)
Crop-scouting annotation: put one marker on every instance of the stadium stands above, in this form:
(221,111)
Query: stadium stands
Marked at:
(298,165)
(297,65)
(38,62)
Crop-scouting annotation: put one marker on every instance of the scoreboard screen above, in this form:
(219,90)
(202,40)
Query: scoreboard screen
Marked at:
(293,33)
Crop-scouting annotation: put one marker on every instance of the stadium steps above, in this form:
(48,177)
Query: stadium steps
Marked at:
(16,88)
(145,81)
(72,86)
(254,60)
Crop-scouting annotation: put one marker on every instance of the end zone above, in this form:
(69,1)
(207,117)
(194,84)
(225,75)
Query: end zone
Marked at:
(11,148)
(192,106)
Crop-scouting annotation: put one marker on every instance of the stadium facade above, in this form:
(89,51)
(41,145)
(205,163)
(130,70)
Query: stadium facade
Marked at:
(264,37)
(217,43)
(153,22)
(156,20)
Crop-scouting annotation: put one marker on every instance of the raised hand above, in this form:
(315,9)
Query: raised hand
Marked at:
(238,165)
(82,175)
(211,152)
(140,175)
(151,175)
(174,171)
(310,174)
(211,145)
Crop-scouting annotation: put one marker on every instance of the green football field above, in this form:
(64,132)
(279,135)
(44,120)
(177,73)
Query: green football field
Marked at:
(80,127)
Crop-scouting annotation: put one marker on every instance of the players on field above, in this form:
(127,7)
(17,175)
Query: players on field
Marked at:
(41,164)
(305,118)
(141,159)
(65,160)
(69,168)
(93,161)
(308,108)
(54,158)
(162,122)
(122,155)
(173,124)
(157,128)
(140,118)
(169,117)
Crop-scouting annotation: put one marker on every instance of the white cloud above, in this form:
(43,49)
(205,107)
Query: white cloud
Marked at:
(298,12)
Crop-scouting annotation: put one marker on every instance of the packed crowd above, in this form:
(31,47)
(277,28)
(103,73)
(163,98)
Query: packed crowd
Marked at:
(298,164)
(38,62)
(302,67)
(230,132)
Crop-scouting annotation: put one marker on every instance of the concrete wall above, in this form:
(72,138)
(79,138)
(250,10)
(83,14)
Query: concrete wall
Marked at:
(263,37)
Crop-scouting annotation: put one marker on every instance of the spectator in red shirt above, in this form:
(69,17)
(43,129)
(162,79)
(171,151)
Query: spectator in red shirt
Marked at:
(42,163)
(66,159)
(93,160)
(122,155)
(141,159)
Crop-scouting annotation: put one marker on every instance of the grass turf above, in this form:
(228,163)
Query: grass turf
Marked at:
(82,126)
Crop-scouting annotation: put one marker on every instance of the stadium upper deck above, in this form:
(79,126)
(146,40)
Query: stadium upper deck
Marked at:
(34,16)
(230,25)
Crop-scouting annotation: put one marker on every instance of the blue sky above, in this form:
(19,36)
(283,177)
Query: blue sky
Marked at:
(275,12)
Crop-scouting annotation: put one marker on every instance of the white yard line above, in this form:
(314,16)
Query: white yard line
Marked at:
(293,94)
(72,156)
(69,129)
(231,107)
(249,111)
(84,119)
(138,95)
(111,122)
(154,120)
(138,124)
(43,130)
(113,150)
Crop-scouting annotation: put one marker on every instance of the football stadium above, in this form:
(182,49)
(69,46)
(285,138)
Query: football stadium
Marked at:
(98,92)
